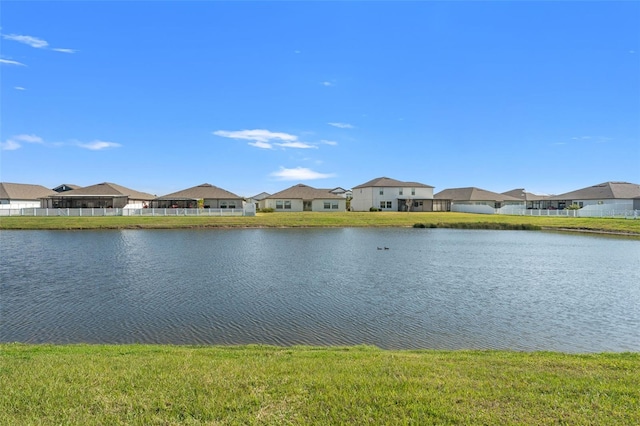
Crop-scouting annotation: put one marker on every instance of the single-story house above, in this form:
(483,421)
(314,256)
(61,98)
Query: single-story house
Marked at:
(255,200)
(477,197)
(393,195)
(301,197)
(22,195)
(212,198)
(617,195)
(532,201)
(101,195)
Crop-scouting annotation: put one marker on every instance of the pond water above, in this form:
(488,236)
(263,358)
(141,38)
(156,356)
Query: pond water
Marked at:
(432,288)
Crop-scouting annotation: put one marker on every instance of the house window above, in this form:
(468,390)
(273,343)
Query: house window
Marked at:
(417,203)
(381,191)
(389,204)
(413,191)
(400,191)
(287,205)
(232,204)
(223,204)
(334,205)
(279,204)
(327,205)
(382,204)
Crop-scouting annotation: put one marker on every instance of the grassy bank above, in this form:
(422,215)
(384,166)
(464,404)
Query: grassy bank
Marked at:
(133,384)
(311,219)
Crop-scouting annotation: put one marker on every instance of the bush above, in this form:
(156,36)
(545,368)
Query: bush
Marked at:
(374,209)
(266,210)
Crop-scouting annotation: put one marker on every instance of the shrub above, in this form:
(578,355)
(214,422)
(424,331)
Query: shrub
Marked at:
(266,210)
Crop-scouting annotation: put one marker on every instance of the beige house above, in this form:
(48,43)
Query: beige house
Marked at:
(22,195)
(388,194)
(102,195)
(531,200)
(299,198)
(212,198)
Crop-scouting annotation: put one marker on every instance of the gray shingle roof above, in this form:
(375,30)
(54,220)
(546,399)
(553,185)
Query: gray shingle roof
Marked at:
(391,183)
(305,192)
(105,189)
(603,191)
(523,195)
(204,191)
(23,191)
(472,194)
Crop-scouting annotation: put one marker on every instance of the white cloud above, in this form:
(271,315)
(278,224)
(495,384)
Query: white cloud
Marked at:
(28,138)
(259,135)
(299,173)
(301,145)
(341,125)
(9,145)
(327,83)
(57,49)
(260,144)
(98,145)
(326,142)
(38,43)
(19,88)
(9,62)
(15,142)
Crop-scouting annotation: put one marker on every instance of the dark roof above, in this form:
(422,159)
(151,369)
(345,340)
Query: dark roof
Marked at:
(603,191)
(204,191)
(23,191)
(66,187)
(472,194)
(260,196)
(523,195)
(104,189)
(391,183)
(305,192)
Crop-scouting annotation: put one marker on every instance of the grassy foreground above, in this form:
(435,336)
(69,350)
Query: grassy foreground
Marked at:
(140,384)
(312,219)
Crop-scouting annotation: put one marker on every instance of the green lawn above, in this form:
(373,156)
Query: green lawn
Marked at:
(310,219)
(164,385)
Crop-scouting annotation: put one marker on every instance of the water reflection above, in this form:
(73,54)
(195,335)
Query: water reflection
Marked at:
(433,288)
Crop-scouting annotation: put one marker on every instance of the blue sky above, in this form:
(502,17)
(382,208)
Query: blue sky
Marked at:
(258,96)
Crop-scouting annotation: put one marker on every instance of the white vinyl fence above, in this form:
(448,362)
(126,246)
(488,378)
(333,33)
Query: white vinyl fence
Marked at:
(607,210)
(127,212)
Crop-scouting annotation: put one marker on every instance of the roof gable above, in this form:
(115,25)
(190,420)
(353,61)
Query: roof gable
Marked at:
(391,183)
(603,191)
(304,192)
(23,191)
(472,194)
(105,189)
(204,191)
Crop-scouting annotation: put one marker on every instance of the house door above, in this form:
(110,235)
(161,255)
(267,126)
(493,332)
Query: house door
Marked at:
(306,206)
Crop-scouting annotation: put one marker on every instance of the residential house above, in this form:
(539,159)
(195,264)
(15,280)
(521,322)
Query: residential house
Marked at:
(101,195)
(301,197)
(392,195)
(22,195)
(346,193)
(613,195)
(531,200)
(212,198)
(471,196)
(255,200)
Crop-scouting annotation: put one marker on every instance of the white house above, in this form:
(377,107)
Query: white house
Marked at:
(101,195)
(22,195)
(301,197)
(392,195)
